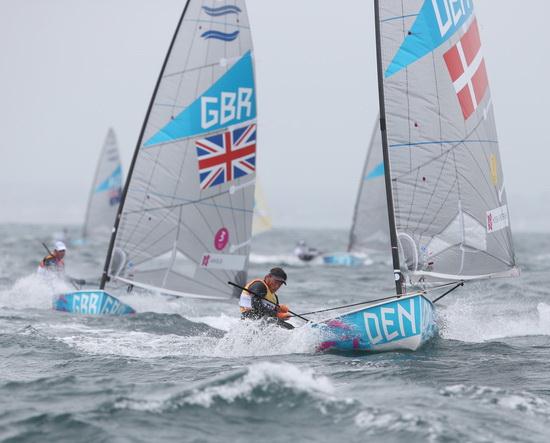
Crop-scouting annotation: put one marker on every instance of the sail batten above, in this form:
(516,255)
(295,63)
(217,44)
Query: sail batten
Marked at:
(447,188)
(189,200)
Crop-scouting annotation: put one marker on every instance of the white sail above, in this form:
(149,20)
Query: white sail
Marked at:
(369,230)
(450,208)
(186,220)
(106,191)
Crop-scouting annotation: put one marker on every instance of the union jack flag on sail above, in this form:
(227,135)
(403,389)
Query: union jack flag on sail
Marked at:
(467,69)
(226,156)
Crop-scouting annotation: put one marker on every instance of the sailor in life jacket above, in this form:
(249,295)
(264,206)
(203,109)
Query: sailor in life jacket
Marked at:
(53,263)
(262,300)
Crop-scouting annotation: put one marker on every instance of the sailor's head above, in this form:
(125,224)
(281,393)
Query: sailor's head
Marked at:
(59,249)
(275,279)
(301,243)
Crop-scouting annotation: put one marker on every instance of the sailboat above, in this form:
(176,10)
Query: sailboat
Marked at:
(369,230)
(446,204)
(184,223)
(106,190)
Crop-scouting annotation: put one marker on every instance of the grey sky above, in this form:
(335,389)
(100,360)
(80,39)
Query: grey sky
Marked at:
(71,68)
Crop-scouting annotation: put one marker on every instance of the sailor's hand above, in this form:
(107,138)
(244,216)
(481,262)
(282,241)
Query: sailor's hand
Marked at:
(283,315)
(283,308)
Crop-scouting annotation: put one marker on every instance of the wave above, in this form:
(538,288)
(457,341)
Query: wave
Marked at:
(520,401)
(194,338)
(222,10)
(218,35)
(468,320)
(260,383)
(32,291)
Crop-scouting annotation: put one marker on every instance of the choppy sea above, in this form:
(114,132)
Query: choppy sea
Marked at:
(184,370)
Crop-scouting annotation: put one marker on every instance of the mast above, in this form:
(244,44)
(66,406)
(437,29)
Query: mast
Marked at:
(105,277)
(387,176)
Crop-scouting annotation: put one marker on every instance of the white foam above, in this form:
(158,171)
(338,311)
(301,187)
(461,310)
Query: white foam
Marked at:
(516,401)
(283,375)
(470,321)
(251,338)
(33,291)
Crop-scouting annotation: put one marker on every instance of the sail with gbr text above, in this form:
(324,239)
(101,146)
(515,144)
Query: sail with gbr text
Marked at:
(186,220)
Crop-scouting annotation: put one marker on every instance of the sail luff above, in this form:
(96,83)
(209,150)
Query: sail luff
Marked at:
(387,167)
(105,190)
(186,221)
(104,276)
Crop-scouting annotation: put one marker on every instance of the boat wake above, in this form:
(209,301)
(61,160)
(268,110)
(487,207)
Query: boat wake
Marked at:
(469,321)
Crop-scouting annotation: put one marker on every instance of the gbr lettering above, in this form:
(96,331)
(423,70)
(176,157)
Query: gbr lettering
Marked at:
(229,106)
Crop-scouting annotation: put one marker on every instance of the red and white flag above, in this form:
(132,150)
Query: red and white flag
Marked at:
(467,69)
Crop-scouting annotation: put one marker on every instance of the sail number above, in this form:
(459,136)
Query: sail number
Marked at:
(227,107)
(448,13)
(395,321)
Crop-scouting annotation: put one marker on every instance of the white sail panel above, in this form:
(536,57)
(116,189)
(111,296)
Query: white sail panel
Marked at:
(106,191)
(369,231)
(446,173)
(186,222)
(262,220)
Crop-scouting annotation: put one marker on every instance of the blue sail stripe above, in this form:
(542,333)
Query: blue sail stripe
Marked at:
(439,142)
(226,37)
(222,10)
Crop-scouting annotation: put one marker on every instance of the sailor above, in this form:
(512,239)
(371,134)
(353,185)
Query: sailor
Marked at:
(304,252)
(262,300)
(53,263)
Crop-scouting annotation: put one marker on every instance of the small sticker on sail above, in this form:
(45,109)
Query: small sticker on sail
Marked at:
(223,261)
(497,219)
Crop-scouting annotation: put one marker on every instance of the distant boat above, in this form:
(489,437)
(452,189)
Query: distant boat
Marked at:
(369,231)
(106,191)
(184,223)
(448,214)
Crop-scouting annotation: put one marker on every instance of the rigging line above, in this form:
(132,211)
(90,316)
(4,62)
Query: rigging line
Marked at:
(175,245)
(440,137)
(186,71)
(205,219)
(448,292)
(434,188)
(149,182)
(185,66)
(135,156)
(476,251)
(486,205)
(141,244)
(200,201)
(453,143)
(491,187)
(217,23)
(440,141)
(398,18)
(436,214)
(368,302)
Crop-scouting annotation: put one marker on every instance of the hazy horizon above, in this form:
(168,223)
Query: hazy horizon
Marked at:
(71,69)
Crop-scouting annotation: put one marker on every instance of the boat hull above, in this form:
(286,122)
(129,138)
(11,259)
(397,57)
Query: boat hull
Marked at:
(343,260)
(91,302)
(404,323)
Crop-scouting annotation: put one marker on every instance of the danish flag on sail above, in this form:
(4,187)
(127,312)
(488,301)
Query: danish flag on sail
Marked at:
(226,156)
(467,69)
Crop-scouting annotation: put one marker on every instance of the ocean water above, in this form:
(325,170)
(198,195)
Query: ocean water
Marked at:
(184,370)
